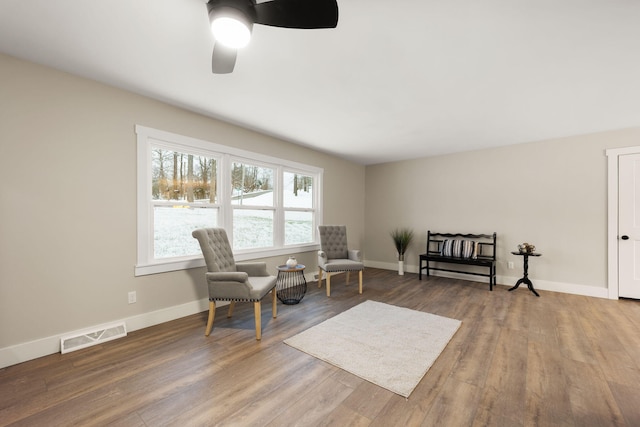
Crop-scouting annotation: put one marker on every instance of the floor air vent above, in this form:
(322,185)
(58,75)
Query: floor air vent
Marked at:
(89,337)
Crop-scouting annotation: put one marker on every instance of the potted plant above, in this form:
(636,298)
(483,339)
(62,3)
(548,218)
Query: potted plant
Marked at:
(402,238)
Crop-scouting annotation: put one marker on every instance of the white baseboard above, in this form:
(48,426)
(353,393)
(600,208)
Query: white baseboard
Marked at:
(391,266)
(45,346)
(566,288)
(542,285)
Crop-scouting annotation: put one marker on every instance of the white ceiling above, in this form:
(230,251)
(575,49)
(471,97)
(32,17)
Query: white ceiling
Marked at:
(396,80)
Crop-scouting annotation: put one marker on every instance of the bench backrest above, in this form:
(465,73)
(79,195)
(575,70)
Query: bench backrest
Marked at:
(486,242)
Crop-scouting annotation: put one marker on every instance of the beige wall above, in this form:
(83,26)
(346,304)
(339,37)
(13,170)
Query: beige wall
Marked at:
(550,193)
(68,201)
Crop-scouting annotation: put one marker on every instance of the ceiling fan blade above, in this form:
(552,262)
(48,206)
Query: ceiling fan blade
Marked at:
(298,13)
(223,59)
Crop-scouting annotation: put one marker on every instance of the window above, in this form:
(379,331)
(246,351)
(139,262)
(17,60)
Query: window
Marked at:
(298,208)
(268,206)
(252,200)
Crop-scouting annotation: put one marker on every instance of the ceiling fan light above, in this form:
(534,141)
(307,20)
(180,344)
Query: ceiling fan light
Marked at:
(230,31)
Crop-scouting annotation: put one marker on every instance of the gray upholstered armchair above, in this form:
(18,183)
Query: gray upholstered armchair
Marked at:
(335,256)
(228,281)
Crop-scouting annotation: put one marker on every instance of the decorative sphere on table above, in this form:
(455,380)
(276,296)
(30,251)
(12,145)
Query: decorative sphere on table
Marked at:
(292,262)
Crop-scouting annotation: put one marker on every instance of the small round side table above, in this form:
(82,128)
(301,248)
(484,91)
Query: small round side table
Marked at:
(525,278)
(291,285)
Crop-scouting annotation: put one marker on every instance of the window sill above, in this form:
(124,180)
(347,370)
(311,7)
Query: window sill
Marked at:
(165,267)
(184,264)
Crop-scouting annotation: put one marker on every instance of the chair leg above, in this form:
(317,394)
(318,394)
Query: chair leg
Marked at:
(232,305)
(328,280)
(319,277)
(348,277)
(258,314)
(360,281)
(212,313)
(274,309)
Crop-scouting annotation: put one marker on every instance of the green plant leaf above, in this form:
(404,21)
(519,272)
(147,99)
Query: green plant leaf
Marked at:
(402,238)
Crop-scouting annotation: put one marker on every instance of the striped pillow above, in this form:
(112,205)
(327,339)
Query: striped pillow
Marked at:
(456,249)
(446,248)
(459,248)
(468,248)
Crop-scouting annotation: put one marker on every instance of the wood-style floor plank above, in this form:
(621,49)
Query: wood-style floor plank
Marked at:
(517,360)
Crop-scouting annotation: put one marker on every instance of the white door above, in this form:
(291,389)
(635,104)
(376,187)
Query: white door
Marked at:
(629,226)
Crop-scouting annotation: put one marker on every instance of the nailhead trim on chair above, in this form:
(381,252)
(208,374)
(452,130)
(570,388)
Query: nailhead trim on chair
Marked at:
(338,270)
(233,299)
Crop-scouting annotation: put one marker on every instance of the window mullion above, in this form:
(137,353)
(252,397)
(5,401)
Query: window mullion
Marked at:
(279,213)
(225,194)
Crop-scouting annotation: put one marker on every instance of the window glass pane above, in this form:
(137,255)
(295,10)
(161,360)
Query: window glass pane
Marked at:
(252,228)
(182,176)
(173,226)
(298,227)
(251,185)
(298,190)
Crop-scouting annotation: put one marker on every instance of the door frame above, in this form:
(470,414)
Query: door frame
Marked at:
(613,156)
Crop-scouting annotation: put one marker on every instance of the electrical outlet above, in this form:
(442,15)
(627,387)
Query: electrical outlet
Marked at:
(511,265)
(132,297)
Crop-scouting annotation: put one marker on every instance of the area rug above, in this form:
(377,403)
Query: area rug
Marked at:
(390,346)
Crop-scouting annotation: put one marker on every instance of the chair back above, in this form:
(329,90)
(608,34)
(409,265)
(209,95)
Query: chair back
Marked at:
(333,241)
(216,249)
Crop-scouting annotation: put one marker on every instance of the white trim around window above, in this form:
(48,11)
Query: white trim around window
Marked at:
(149,138)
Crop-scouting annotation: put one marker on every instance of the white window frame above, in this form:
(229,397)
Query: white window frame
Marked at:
(148,137)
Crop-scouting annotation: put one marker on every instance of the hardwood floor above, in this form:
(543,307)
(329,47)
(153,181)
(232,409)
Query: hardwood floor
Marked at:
(517,360)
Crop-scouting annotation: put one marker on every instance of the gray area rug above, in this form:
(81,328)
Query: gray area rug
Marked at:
(390,346)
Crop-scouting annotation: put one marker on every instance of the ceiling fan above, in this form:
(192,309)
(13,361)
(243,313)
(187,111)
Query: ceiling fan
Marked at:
(232,22)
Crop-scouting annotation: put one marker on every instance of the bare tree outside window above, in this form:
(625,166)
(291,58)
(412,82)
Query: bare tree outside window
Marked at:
(189,182)
(193,178)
